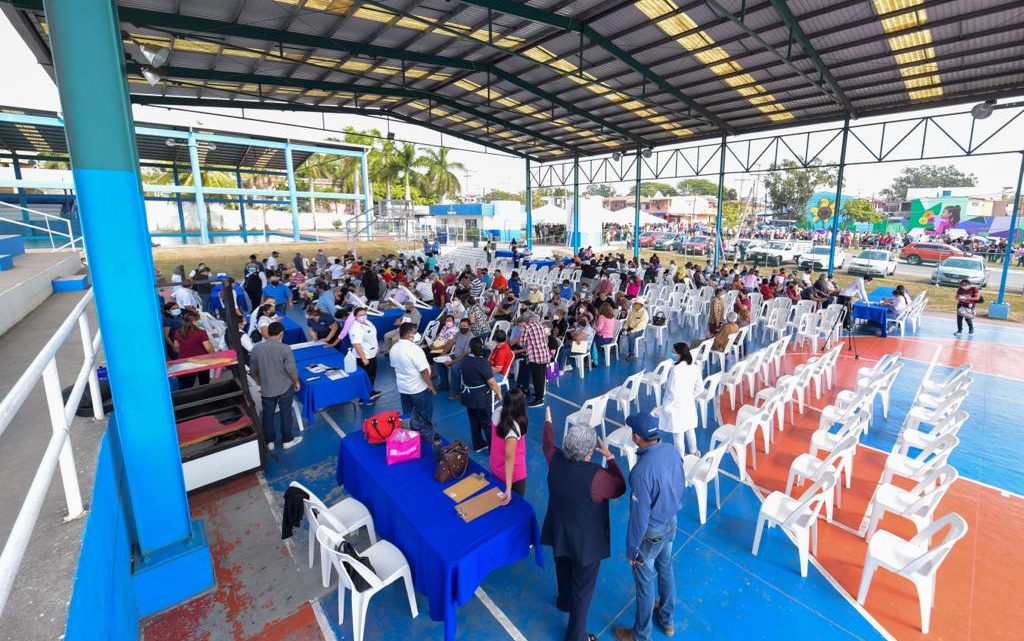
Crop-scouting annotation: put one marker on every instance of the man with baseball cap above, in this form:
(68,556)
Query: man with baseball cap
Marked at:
(656,483)
(577,525)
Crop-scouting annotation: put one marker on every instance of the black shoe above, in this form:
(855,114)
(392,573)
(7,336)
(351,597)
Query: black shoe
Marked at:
(539,402)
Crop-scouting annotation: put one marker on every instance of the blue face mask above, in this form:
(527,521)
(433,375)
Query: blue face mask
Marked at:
(175,312)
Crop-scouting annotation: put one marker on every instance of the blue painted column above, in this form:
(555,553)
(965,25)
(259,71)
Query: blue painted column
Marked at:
(197,182)
(181,206)
(721,199)
(293,201)
(575,205)
(839,199)
(171,561)
(529,208)
(1001,309)
(241,207)
(367,196)
(636,201)
(22,198)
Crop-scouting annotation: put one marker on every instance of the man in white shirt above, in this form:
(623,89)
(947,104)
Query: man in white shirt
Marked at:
(850,294)
(413,379)
(364,340)
(272,263)
(337,270)
(185,297)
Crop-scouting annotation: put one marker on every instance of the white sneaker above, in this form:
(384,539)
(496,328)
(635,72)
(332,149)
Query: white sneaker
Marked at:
(292,443)
(270,445)
(567,368)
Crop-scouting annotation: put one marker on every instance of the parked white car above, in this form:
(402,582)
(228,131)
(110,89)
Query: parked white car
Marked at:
(952,270)
(872,262)
(817,258)
(778,252)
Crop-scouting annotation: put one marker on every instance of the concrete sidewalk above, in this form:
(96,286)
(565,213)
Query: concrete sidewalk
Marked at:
(37,608)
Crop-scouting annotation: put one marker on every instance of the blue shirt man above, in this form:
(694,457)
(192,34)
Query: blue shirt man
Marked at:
(656,494)
(565,291)
(279,291)
(325,301)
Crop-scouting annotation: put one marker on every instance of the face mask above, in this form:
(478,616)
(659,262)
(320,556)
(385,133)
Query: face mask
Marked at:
(175,312)
(274,281)
(449,324)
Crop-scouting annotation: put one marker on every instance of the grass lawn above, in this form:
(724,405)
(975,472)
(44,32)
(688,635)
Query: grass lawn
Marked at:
(230,258)
(940,299)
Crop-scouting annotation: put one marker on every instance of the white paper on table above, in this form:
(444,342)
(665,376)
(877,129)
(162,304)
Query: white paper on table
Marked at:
(317,368)
(304,345)
(336,374)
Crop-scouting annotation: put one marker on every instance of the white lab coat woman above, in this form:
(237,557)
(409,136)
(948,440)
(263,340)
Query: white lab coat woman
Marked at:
(678,413)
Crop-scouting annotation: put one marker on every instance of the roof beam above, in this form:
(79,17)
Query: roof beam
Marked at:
(187,24)
(345,87)
(212,103)
(570,24)
(834,91)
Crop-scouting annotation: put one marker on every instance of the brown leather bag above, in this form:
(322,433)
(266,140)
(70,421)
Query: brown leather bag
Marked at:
(454,462)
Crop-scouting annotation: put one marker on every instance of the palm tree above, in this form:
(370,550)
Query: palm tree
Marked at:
(439,172)
(217,179)
(386,168)
(406,159)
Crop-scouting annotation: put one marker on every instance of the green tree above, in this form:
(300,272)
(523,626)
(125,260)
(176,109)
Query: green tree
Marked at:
(603,190)
(440,176)
(789,186)
(407,160)
(501,194)
(928,176)
(697,187)
(861,210)
(730,193)
(386,166)
(731,214)
(651,188)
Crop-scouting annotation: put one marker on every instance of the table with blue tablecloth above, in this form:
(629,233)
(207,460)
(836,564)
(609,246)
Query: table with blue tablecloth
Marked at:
(872,312)
(322,392)
(448,557)
(292,332)
(386,322)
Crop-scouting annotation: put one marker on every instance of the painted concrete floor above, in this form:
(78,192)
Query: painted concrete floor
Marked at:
(265,592)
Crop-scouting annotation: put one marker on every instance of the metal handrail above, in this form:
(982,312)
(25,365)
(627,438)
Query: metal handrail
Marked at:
(70,235)
(58,451)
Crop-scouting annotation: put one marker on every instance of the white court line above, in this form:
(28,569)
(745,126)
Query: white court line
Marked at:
(500,616)
(326,631)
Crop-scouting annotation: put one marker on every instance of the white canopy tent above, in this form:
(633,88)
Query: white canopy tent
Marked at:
(627,216)
(549,214)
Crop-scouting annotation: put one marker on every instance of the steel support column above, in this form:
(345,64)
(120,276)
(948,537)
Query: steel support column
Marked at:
(529,209)
(22,198)
(197,182)
(1001,309)
(575,205)
(721,198)
(293,201)
(636,202)
(241,207)
(181,206)
(171,560)
(837,209)
(367,196)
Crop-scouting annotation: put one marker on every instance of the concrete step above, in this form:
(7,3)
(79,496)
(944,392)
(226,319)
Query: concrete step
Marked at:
(73,283)
(6,262)
(12,245)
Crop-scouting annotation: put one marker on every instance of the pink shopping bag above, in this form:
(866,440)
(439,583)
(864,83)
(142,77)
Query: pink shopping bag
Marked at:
(402,445)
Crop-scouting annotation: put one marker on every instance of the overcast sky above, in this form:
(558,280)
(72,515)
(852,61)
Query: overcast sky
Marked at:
(25,84)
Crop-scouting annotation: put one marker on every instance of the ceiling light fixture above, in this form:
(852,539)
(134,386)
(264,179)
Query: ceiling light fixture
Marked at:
(616,156)
(155,56)
(983,110)
(151,76)
(647,152)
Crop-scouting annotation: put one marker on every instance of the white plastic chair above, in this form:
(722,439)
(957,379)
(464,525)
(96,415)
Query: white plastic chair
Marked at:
(733,380)
(798,517)
(738,437)
(592,414)
(345,516)
(921,440)
(622,440)
(739,346)
(808,330)
(655,381)
(917,559)
(606,349)
(628,393)
(723,356)
(917,504)
(389,565)
(934,385)
(708,398)
(936,454)
(659,330)
(702,354)
(812,468)
(825,441)
(698,472)
(918,415)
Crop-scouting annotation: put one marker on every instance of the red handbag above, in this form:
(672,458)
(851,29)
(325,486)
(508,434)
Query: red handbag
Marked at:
(378,427)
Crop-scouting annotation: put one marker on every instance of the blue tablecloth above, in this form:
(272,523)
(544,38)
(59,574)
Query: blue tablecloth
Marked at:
(877,314)
(879,294)
(293,332)
(449,558)
(323,392)
(386,323)
(313,352)
(503,253)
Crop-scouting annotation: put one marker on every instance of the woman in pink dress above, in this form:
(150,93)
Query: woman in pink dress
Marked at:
(508,444)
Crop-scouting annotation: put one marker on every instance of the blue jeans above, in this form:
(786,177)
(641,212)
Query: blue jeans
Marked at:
(455,377)
(631,339)
(656,550)
(423,404)
(283,406)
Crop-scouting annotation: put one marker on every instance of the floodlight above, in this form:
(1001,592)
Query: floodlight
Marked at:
(151,76)
(647,152)
(155,56)
(616,156)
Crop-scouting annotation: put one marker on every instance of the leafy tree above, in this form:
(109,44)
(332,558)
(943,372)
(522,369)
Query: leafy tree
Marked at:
(731,218)
(651,188)
(501,194)
(406,161)
(440,176)
(730,193)
(697,187)
(603,190)
(928,176)
(861,210)
(385,166)
(789,186)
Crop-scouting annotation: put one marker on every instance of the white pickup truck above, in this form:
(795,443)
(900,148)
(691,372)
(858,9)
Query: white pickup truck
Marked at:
(778,252)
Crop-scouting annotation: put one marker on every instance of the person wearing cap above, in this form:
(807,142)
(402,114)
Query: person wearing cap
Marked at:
(656,495)
(577,524)
(412,376)
(636,324)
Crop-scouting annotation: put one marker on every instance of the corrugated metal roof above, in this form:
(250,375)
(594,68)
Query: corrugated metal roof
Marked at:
(553,78)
